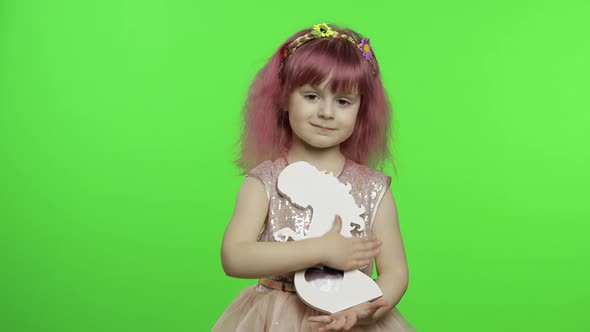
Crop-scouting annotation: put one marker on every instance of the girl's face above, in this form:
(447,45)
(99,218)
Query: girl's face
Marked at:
(320,117)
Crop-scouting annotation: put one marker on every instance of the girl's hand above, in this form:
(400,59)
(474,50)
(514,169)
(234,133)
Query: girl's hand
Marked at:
(360,314)
(347,254)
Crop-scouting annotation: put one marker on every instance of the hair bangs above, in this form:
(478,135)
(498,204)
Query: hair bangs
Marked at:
(337,61)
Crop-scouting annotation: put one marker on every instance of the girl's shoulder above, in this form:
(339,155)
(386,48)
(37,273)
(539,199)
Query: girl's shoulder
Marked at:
(267,173)
(267,168)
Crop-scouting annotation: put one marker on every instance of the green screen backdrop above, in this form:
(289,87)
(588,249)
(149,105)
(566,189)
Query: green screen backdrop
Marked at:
(118,123)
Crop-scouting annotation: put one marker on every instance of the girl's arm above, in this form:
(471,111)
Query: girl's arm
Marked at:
(392,267)
(243,257)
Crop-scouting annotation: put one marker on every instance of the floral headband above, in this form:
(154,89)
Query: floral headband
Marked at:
(322,31)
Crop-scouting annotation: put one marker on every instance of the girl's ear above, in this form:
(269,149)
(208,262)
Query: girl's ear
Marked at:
(284,106)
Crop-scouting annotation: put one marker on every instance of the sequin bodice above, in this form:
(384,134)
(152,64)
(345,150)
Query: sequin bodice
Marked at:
(368,187)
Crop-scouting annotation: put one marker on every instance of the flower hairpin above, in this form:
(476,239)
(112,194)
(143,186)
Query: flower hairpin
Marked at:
(366,49)
(322,30)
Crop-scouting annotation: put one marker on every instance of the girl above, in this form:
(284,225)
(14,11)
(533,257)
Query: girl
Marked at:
(319,99)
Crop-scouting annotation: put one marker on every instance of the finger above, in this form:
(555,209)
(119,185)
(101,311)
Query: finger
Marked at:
(364,253)
(364,262)
(369,252)
(350,321)
(365,239)
(365,247)
(378,304)
(361,257)
(373,244)
(320,319)
(357,264)
(337,225)
(337,324)
(332,324)
(372,253)
(375,252)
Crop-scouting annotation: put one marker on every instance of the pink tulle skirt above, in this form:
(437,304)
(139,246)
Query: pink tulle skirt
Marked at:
(258,308)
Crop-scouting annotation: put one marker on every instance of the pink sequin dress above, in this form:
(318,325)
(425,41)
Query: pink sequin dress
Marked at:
(258,308)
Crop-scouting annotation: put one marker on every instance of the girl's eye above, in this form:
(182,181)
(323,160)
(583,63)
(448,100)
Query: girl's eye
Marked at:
(343,102)
(311,97)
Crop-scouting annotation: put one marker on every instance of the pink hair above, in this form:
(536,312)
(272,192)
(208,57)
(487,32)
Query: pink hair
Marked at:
(266,133)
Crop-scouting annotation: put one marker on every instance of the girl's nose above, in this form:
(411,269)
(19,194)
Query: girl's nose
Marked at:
(326,111)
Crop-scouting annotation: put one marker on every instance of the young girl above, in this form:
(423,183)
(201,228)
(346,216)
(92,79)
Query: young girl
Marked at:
(319,99)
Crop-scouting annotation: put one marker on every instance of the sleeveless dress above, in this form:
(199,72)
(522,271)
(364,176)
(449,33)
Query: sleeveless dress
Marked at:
(258,308)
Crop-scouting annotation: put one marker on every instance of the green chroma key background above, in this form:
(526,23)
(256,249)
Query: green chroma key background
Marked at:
(117,128)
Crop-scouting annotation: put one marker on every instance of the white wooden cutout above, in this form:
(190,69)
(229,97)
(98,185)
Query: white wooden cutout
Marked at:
(325,289)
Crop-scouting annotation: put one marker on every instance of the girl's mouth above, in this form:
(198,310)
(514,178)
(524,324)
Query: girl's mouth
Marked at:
(322,127)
